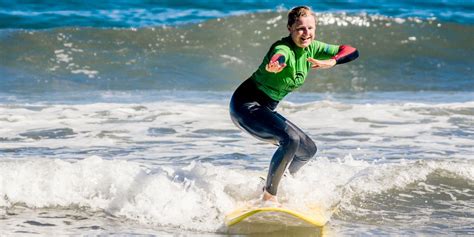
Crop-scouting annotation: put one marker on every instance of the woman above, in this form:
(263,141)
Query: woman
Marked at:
(284,68)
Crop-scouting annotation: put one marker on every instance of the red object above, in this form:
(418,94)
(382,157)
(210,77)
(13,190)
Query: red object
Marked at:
(278,57)
(346,53)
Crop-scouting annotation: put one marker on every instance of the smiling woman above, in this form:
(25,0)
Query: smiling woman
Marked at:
(284,68)
(115,108)
(302,26)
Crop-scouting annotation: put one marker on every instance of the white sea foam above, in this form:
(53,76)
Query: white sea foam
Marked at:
(133,160)
(126,189)
(357,127)
(193,197)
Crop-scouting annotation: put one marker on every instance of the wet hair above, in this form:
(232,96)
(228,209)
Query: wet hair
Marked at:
(298,12)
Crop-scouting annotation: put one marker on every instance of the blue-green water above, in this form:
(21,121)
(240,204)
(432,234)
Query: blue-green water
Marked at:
(114,117)
(141,45)
(46,14)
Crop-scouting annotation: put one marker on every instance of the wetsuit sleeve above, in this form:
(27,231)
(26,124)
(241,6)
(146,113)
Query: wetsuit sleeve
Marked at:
(346,53)
(281,50)
(321,51)
(341,53)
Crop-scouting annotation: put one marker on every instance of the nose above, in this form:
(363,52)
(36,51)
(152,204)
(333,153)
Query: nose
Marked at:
(305,31)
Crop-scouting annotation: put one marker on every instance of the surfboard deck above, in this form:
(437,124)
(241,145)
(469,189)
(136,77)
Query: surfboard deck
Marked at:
(276,215)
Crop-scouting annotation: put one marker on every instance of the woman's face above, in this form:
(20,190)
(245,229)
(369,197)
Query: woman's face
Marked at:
(303,30)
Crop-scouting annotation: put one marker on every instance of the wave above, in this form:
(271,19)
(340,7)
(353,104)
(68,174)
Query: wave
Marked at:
(362,191)
(396,55)
(127,156)
(41,15)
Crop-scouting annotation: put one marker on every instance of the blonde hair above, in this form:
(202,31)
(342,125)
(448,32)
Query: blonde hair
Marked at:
(298,12)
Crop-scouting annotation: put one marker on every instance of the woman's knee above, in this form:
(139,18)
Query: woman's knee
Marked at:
(307,149)
(312,148)
(291,140)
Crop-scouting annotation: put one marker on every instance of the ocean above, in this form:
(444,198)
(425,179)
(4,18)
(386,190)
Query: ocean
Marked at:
(114,118)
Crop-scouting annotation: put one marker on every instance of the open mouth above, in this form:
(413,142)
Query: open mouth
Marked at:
(305,39)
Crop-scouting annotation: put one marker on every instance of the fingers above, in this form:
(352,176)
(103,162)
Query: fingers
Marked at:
(312,60)
(275,67)
(276,64)
(315,64)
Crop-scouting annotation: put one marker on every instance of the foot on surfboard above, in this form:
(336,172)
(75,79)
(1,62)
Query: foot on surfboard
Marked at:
(269,200)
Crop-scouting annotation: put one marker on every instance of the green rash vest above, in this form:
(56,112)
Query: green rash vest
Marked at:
(278,85)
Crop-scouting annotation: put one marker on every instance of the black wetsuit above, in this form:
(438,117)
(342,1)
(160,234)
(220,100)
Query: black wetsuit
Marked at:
(254,111)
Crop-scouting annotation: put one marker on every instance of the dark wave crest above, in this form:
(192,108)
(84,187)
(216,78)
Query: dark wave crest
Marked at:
(396,54)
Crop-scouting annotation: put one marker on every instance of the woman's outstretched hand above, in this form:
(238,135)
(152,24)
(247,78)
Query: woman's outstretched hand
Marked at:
(322,64)
(276,64)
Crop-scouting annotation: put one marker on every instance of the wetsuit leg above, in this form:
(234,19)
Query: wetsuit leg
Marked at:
(306,150)
(256,116)
(266,125)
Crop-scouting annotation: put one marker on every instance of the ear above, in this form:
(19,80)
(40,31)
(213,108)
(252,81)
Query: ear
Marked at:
(289,28)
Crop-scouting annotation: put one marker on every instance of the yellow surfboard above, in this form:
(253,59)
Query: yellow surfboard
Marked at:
(277,215)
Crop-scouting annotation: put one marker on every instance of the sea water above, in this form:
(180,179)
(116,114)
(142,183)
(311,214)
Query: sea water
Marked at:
(114,118)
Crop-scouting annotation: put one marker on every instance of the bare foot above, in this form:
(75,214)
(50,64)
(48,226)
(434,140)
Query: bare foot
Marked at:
(267,197)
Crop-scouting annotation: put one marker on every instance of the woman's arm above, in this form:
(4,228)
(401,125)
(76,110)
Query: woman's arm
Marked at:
(346,54)
(276,64)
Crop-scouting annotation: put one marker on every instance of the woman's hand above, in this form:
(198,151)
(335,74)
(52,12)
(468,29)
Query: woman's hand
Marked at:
(322,64)
(276,64)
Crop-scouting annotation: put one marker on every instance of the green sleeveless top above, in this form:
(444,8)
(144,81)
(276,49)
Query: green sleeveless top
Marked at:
(278,85)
